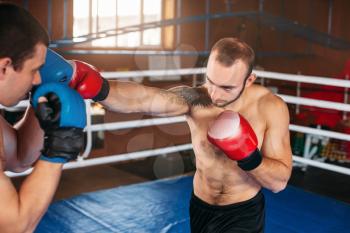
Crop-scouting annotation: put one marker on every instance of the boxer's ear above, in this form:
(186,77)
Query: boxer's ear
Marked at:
(250,80)
(5,64)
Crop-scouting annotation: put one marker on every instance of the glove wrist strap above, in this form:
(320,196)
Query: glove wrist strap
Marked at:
(53,159)
(251,162)
(103,92)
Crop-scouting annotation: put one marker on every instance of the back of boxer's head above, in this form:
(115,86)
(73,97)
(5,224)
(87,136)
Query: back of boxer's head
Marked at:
(20,32)
(230,50)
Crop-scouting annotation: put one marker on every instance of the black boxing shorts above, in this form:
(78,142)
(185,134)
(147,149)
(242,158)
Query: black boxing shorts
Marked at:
(247,216)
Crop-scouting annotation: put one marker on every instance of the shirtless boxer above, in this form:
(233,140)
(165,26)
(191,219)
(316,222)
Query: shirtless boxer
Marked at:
(236,155)
(23,44)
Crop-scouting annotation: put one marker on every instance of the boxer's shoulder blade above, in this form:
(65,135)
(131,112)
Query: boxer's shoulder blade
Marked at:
(194,96)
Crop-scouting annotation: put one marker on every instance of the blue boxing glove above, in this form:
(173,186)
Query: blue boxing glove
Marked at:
(82,77)
(56,69)
(63,118)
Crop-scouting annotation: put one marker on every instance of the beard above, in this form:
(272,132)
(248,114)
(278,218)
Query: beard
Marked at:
(223,104)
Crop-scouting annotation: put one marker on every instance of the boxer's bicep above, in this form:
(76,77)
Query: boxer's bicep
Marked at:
(276,144)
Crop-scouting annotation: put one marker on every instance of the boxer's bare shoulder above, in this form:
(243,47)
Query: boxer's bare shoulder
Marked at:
(266,100)
(258,92)
(270,104)
(274,110)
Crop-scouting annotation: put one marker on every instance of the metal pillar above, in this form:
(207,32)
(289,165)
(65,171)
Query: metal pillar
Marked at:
(49,17)
(178,26)
(207,25)
(65,12)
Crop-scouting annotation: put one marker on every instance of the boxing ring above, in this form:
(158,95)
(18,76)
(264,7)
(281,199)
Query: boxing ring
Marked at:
(162,206)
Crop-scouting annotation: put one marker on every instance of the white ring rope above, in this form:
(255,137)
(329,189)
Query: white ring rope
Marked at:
(88,131)
(326,166)
(262,74)
(320,132)
(114,158)
(316,103)
(149,153)
(153,73)
(172,120)
(303,78)
(83,162)
(137,123)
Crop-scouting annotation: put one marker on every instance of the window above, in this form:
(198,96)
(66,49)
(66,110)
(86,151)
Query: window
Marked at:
(92,16)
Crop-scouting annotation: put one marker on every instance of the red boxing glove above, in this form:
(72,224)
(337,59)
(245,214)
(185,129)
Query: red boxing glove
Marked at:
(88,81)
(232,134)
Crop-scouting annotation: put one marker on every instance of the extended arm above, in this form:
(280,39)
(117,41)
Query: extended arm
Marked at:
(115,95)
(132,97)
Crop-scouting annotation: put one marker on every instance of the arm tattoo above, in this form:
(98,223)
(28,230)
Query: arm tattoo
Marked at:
(194,96)
(176,99)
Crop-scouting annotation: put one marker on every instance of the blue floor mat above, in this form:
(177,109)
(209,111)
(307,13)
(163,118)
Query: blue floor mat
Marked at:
(162,206)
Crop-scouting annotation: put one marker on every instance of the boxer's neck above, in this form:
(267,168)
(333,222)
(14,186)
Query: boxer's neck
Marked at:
(238,104)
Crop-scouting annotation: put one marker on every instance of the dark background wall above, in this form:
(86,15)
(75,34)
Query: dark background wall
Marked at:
(277,50)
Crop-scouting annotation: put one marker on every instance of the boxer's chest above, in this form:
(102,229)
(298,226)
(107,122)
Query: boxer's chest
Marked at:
(257,122)
(200,123)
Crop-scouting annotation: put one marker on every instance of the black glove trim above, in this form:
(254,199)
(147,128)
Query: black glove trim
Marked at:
(64,142)
(103,92)
(251,162)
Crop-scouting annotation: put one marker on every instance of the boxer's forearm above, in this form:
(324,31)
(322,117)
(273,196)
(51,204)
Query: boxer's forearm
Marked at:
(38,189)
(271,174)
(21,212)
(131,97)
